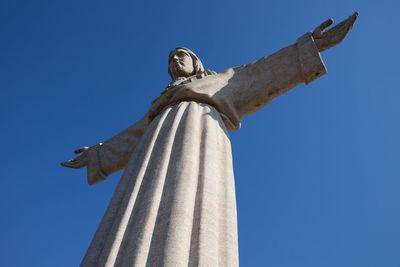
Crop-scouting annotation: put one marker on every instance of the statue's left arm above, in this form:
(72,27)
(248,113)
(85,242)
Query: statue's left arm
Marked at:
(251,87)
(103,159)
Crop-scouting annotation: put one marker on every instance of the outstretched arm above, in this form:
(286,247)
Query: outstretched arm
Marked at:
(250,87)
(102,160)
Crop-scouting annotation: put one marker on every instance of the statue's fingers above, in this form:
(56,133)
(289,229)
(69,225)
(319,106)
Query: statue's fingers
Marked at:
(353,19)
(326,23)
(81,149)
(77,162)
(346,24)
(334,35)
(320,29)
(72,164)
(339,32)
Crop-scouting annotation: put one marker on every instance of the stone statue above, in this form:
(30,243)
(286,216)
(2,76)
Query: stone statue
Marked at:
(175,203)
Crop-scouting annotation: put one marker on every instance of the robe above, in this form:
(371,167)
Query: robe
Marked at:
(175,203)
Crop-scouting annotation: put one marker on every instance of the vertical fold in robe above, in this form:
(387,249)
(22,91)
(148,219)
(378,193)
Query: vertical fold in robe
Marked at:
(175,204)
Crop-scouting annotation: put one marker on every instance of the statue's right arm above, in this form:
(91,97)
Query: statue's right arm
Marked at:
(106,158)
(250,87)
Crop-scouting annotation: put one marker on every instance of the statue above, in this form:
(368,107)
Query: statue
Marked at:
(175,203)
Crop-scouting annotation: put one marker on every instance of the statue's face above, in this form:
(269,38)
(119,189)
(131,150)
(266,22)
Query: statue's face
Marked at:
(181,64)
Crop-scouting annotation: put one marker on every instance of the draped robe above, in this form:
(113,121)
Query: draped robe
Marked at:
(175,203)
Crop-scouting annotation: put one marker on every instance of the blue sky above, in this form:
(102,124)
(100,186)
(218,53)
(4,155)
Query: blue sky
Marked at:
(317,170)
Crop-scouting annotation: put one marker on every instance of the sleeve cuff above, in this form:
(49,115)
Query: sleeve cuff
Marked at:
(311,63)
(94,171)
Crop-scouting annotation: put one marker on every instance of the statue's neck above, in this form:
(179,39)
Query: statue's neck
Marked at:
(184,80)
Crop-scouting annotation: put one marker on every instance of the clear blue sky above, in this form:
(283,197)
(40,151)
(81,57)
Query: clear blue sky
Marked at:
(317,170)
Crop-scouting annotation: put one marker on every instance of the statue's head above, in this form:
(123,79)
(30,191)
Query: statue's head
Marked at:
(182,62)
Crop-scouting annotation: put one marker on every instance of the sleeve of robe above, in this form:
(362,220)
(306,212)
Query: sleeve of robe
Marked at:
(250,87)
(113,155)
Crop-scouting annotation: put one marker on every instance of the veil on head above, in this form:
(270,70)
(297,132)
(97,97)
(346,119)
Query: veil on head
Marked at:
(197,65)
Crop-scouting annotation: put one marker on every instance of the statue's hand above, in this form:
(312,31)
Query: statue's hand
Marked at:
(326,39)
(78,162)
